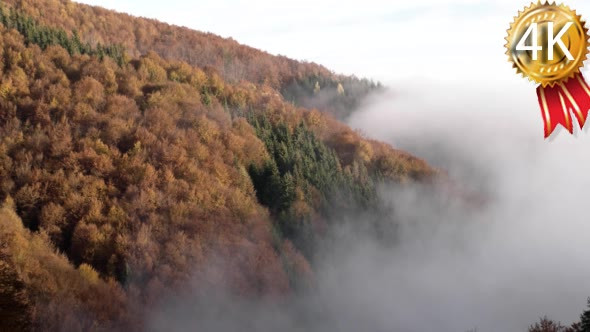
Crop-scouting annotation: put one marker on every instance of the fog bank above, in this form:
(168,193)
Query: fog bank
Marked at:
(525,254)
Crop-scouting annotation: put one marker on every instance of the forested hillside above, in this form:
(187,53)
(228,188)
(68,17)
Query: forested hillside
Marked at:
(305,84)
(134,154)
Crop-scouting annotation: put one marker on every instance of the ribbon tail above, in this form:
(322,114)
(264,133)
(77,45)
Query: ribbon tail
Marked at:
(577,93)
(554,109)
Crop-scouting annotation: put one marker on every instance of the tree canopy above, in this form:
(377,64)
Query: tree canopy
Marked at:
(124,174)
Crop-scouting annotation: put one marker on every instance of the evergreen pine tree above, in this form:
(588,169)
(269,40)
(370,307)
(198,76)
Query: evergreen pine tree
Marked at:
(585,319)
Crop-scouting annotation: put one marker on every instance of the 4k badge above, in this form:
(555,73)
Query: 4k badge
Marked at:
(548,44)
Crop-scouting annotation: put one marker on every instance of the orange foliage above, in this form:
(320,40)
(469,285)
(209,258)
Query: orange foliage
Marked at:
(57,296)
(137,173)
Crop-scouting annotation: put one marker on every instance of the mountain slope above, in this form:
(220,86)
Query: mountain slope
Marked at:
(305,84)
(150,173)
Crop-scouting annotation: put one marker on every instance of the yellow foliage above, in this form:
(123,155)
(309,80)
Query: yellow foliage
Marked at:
(340,89)
(365,151)
(151,71)
(100,147)
(50,281)
(6,89)
(314,120)
(88,273)
(207,129)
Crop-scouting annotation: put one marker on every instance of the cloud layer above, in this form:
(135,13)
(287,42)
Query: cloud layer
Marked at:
(525,254)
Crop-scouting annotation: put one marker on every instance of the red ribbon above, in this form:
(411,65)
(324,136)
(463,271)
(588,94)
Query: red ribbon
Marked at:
(558,101)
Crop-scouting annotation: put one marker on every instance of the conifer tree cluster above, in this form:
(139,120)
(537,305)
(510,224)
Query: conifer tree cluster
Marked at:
(44,36)
(303,171)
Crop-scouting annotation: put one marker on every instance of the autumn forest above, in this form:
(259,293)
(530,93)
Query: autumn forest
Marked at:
(135,154)
(124,168)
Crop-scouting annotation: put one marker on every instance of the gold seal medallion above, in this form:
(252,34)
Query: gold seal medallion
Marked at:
(547,43)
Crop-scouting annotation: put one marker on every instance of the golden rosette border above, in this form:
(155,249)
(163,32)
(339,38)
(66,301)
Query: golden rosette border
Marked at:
(510,40)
